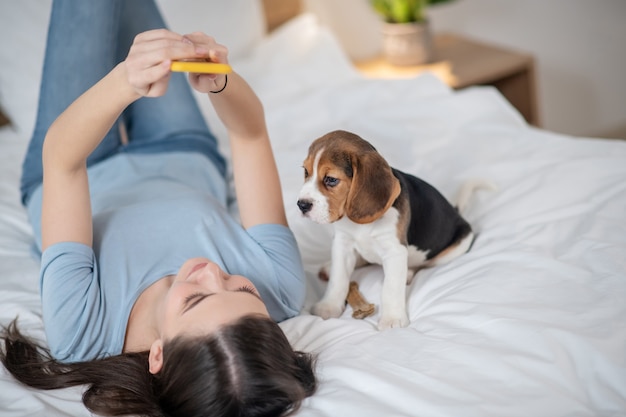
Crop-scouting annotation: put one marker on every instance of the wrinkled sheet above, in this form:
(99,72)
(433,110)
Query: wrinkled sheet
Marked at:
(530,322)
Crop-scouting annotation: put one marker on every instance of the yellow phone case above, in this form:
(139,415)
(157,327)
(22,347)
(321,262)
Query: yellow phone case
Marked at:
(200,67)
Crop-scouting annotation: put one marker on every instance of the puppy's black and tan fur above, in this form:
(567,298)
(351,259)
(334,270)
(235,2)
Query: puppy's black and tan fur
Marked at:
(380,215)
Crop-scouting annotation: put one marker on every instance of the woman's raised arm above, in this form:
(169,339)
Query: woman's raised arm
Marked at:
(257,183)
(66,209)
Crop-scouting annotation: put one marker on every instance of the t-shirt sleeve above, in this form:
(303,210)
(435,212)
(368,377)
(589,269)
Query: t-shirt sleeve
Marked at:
(281,247)
(71,301)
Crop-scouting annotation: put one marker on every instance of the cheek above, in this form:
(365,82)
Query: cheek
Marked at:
(169,316)
(328,204)
(310,192)
(174,300)
(337,201)
(320,211)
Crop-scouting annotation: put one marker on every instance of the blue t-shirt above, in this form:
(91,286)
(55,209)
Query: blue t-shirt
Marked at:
(150,214)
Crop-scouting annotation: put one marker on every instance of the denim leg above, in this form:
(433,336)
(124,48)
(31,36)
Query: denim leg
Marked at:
(80,50)
(86,39)
(174,121)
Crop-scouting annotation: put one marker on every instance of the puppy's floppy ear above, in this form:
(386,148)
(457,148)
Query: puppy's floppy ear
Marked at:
(373,190)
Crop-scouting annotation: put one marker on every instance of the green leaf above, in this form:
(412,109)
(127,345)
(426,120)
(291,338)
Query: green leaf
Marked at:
(403,11)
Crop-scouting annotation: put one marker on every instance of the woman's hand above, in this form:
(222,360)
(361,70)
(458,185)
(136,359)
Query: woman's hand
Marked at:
(152,52)
(211,51)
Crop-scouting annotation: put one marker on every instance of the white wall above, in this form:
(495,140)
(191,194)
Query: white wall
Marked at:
(579,47)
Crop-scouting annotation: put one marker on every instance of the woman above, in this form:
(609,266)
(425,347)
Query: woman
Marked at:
(153,295)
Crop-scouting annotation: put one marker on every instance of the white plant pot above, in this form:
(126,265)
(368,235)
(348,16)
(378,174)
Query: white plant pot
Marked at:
(407,43)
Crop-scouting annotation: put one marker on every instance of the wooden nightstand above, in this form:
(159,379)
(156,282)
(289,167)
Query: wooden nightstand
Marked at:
(461,62)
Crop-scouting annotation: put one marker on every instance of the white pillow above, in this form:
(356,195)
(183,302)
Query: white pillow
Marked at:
(238,24)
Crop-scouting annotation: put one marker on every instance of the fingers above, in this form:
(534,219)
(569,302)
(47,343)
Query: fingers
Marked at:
(207,45)
(151,81)
(174,46)
(211,51)
(154,50)
(149,58)
(148,61)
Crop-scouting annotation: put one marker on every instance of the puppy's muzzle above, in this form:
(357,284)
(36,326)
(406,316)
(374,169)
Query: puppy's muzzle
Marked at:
(305,205)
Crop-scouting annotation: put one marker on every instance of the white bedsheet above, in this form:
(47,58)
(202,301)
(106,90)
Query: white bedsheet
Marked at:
(530,322)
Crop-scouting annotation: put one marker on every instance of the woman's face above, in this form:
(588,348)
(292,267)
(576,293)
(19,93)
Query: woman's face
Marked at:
(203,297)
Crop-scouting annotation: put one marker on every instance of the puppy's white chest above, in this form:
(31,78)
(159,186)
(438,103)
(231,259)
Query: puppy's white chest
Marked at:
(369,253)
(368,247)
(372,240)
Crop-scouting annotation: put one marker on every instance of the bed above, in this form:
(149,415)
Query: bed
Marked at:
(530,322)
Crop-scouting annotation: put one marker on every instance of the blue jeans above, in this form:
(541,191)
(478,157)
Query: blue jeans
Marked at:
(86,39)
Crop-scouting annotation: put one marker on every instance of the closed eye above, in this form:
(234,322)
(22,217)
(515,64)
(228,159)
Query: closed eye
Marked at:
(249,289)
(194,299)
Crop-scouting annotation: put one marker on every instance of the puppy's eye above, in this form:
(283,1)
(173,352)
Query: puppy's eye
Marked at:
(306,173)
(330,181)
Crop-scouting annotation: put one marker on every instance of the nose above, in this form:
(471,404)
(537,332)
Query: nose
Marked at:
(211,276)
(304,205)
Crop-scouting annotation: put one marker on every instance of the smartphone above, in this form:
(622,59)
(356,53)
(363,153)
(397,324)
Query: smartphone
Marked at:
(200,67)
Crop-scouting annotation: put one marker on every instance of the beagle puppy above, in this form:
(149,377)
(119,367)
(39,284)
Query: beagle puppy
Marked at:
(380,215)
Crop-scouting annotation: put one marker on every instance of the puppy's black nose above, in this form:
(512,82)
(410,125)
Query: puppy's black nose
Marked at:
(304,205)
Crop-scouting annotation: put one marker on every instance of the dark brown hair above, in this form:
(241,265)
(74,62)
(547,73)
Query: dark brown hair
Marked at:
(244,369)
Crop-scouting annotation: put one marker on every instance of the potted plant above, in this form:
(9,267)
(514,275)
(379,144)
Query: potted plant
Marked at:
(406,31)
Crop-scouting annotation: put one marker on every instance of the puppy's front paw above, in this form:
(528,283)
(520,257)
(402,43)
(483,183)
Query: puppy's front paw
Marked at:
(391,321)
(327,310)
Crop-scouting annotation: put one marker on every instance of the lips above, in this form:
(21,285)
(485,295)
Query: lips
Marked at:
(197,267)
